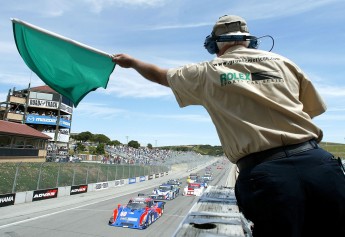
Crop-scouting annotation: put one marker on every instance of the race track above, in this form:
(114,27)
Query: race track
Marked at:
(88,214)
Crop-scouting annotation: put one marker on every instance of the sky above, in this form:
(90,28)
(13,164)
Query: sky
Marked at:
(171,33)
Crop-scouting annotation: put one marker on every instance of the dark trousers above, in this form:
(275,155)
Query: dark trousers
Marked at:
(298,196)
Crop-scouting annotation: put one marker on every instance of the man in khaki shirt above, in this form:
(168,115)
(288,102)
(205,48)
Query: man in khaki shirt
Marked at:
(262,105)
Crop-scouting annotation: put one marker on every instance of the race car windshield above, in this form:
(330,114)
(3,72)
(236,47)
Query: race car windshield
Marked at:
(164,188)
(136,205)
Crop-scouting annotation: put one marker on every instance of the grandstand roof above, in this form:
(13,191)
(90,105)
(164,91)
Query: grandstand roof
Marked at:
(20,129)
(44,88)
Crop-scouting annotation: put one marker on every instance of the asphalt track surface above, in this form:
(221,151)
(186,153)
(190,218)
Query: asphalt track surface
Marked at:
(88,214)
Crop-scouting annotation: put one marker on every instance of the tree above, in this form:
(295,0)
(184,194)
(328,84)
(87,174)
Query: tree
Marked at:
(114,143)
(80,147)
(84,136)
(149,146)
(134,144)
(100,149)
(100,138)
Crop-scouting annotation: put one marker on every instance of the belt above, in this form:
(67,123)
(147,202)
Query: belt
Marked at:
(256,158)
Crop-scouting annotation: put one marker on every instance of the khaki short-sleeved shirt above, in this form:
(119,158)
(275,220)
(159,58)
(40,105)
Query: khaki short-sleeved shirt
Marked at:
(257,100)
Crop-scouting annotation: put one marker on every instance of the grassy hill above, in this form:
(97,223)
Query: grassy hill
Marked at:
(337,149)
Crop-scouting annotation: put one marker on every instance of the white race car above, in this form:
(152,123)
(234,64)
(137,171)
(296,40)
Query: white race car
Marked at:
(193,189)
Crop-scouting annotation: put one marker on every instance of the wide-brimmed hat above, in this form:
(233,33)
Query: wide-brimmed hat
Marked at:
(230,24)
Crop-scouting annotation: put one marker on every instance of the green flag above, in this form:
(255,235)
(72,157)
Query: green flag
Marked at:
(69,67)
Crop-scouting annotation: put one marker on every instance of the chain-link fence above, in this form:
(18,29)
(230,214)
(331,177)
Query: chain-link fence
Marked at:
(19,177)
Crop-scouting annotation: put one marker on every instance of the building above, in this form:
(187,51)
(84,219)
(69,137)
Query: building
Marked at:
(46,111)
(20,142)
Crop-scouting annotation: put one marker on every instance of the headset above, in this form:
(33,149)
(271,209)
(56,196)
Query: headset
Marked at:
(211,41)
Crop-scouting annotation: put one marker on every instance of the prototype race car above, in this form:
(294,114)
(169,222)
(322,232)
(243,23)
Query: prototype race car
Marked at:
(193,189)
(139,213)
(166,191)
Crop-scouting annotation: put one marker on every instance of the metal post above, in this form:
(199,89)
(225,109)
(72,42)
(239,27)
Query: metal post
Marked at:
(99,169)
(58,176)
(107,173)
(39,177)
(116,172)
(73,179)
(87,174)
(15,178)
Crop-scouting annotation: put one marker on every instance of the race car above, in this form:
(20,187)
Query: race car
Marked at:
(166,191)
(139,213)
(193,189)
(177,185)
(192,178)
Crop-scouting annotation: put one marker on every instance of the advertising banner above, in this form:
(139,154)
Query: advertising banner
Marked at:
(66,108)
(44,194)
(7,199)
(48,104)
(99,186)
(156,175)
(162,174)
(47,120)
(77,189)
(131,180)
(150,176)
(142,178)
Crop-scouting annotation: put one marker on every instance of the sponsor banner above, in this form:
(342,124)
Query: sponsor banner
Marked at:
(132,180)
(7,199)
(150,176)
(117,183)
(162,174)
(122,182)
(166,173)
(77,189)
(100,186)
(66,108)
(156,175)
(50,104)
(44,194)
(47,120)
(142,178)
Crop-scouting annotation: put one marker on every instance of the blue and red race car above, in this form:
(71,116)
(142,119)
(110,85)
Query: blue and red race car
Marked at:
(139,213)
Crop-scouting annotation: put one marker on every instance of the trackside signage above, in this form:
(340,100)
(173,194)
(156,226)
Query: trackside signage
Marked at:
(132,180)
(77,189)
(100,186)
(44,194)
(7,199)
(142,178)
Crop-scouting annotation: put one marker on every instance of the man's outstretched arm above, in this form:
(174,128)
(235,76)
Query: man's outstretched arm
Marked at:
(147,70)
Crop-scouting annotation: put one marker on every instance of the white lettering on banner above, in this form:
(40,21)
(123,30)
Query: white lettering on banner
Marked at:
(6,199)
(46,120)
(78,190)
(49,194)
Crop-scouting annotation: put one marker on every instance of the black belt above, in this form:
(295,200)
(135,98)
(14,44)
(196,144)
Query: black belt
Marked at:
(256,158)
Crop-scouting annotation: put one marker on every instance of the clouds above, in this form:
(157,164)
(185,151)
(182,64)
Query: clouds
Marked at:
(170,33)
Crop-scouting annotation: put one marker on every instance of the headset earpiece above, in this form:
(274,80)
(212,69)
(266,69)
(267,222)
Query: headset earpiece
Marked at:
(211,41)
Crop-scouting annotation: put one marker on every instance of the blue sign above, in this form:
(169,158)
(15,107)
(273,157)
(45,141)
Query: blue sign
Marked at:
(131,180)
(142,178)
(47,120)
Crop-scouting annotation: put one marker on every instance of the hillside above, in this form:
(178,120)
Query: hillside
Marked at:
(337,149)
